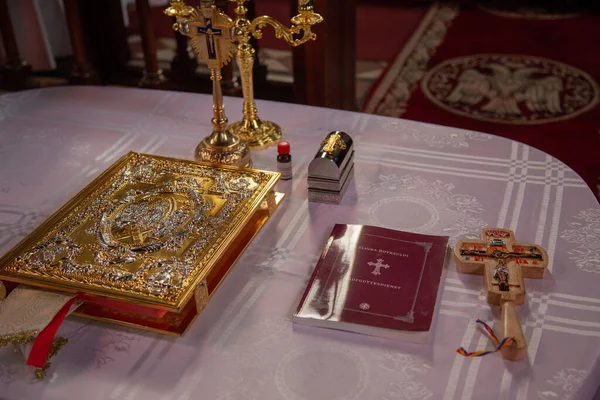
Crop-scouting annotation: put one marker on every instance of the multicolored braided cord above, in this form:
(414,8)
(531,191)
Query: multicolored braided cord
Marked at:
(499,344)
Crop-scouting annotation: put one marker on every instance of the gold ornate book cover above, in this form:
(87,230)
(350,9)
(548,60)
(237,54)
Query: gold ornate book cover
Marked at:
(148,241)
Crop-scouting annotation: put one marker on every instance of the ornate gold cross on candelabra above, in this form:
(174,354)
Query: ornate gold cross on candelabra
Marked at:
(256,132)
(212,38)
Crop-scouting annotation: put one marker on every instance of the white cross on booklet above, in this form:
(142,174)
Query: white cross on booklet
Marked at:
(378,265)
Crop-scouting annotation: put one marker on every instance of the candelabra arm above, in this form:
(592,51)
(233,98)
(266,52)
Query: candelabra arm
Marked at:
(301,24)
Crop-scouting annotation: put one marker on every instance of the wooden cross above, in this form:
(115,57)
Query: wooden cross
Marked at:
(504,264)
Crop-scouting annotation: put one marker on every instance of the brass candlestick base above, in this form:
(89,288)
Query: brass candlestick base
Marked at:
(151,80)
(257,133)
(223,148)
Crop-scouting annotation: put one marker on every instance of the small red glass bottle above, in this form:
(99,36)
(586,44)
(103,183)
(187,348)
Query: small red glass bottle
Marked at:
(284,160)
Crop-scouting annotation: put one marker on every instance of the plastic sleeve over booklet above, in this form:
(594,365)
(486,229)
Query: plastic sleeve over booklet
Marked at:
(375,281)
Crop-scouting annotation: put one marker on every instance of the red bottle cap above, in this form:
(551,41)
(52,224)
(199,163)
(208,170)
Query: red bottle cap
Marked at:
(283,148)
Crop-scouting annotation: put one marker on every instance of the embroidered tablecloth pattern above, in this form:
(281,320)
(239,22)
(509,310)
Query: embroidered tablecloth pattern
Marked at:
(408,175)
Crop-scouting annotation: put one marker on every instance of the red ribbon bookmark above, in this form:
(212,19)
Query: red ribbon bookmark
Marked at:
(38,356)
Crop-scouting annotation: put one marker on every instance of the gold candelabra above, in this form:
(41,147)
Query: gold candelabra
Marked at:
(212,35)
(251,129)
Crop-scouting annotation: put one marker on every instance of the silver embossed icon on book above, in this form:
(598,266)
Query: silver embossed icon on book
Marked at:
(330,172)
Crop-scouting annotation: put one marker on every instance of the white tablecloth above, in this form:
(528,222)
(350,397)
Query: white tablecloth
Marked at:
(408,176)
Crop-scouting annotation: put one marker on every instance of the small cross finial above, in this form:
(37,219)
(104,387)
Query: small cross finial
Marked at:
(332,142)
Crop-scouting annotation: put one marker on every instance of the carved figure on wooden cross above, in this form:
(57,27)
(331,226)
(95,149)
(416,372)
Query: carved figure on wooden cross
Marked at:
(498,250)
(378,265)
(504,265)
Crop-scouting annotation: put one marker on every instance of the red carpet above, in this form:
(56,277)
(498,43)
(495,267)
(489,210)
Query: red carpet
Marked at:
(529,79)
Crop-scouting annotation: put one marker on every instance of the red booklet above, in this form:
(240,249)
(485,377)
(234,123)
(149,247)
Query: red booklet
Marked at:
(375,281)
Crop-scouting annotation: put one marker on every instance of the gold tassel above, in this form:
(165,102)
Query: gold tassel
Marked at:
(18,338)
(57,345)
